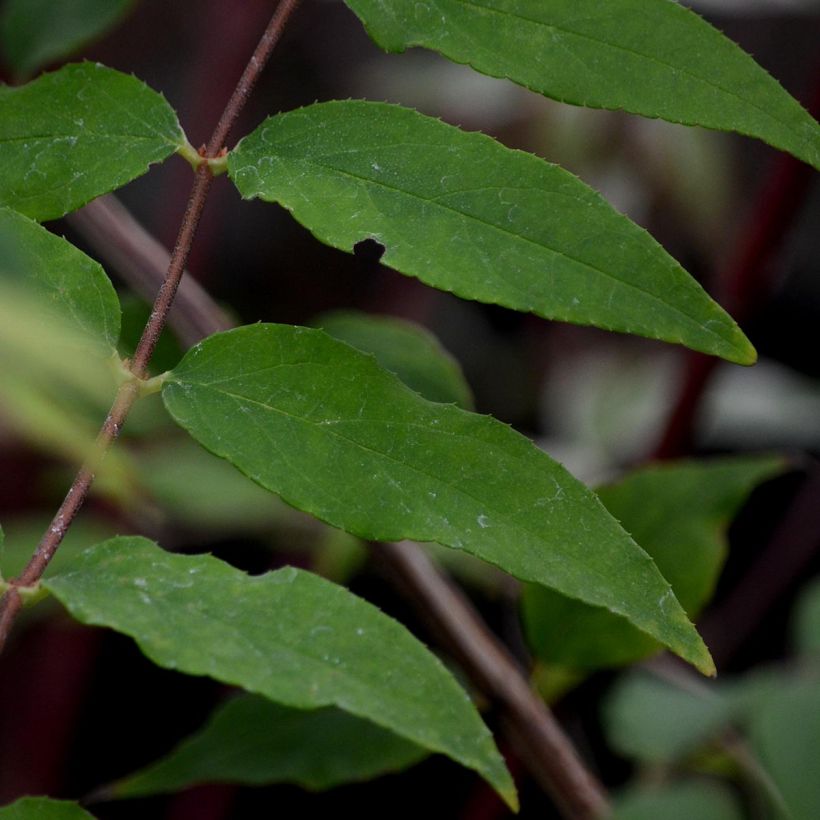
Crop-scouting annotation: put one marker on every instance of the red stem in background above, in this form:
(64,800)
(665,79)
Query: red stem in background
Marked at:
(743,283)
(127,394)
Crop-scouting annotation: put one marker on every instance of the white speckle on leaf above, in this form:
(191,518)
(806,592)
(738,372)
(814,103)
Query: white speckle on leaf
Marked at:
(482,522)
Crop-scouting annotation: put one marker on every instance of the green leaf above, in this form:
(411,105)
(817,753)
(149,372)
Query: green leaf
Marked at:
(43,808)
(679,514)
(651,721)
(71,285)
(79,132)
(35,33)
(322,425)
(251,741)
(687,800)
(806,621)
(288,635)
(785,734)
(465,214)
(649,57)
(406,349)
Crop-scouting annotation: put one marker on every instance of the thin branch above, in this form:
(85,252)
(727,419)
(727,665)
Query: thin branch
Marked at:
(540,741)
(127,394)
(128,249)
(250,75)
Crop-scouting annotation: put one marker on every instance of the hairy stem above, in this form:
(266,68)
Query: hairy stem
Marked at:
(128,391)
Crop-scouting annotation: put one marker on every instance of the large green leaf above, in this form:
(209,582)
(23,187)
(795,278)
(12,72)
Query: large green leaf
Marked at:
(43,808)
(322,425)
(465,214)
(79,132)
(403,348)
(650,57)
(69,284)
(288,635)
(37,32)
(679,514)
(252,741)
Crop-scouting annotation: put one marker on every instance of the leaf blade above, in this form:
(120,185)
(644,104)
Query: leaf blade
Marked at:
(403,348)
(464,214)
(323,426)
(648,57)
(288,635)
(77,133)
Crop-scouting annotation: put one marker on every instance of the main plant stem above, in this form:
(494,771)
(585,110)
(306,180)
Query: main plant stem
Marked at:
(127,394)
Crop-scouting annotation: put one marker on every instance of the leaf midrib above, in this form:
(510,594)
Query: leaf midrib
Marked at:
(520,237)
(480,502)
(650,58)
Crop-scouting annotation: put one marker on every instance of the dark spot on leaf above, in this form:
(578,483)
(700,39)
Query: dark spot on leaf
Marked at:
(368,250)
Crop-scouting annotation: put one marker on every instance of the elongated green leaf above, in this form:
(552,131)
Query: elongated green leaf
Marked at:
(79,132)
(650,57)
(37,32)
(679,514)
(252,741)
(72,285)
(331,432)
(290,636)
(687,800)
(465,214)
(43,808)
(403,348)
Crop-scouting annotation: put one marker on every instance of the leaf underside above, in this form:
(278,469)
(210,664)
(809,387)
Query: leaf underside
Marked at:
(288,635)
(650,57)
(322,425)
(463,213)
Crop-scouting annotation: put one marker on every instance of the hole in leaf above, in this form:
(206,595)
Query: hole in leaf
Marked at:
(368,250)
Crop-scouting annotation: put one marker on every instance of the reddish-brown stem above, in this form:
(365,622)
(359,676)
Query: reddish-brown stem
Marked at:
(128,249)
(541,743)
(129,390)
(742,284)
